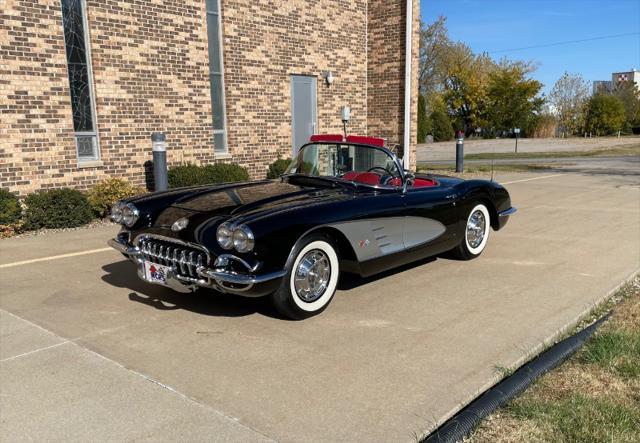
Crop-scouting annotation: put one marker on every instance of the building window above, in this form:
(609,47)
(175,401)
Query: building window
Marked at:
(214,31)
(74,23)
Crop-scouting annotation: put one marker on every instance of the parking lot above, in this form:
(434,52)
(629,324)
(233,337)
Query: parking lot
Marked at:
(90,352)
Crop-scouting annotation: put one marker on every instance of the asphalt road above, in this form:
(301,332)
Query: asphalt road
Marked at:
(89,352)
(429,152)
(623,165)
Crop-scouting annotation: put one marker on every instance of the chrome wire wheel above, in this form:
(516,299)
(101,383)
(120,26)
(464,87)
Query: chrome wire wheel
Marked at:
(476,228)
(312,275)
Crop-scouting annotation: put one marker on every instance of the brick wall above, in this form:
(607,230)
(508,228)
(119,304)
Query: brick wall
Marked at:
(264,45)
(386,68)
(151,74)
(150,69)
(36,129)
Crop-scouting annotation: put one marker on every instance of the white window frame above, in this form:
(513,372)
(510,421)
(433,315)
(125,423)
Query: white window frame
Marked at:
(217,14)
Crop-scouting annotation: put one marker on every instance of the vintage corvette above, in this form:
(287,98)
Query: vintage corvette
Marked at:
(345,204)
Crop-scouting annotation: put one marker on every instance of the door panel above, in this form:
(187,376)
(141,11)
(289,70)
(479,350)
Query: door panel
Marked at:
(303,110)
(421,230)
(373,237)
(436,208)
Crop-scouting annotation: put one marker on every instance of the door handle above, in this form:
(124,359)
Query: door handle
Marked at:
(450,196)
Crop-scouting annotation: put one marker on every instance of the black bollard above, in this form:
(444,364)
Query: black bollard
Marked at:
(158,145)
(460,154)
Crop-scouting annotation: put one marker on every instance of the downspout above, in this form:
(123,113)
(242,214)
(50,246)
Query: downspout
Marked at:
(407,84)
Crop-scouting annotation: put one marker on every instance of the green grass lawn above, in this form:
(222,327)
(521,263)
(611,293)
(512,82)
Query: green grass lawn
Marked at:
(479,168)
(593,397)
(606,152)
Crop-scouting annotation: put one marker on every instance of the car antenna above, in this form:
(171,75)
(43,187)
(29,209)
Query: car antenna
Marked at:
(492,161)
(493,152)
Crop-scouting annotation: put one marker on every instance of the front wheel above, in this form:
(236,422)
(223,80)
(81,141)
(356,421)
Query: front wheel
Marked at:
(311,280)
(476,233)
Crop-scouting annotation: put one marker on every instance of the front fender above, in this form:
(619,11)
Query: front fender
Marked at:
(493,194)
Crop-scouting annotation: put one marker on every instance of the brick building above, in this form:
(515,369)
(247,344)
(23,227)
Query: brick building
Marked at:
(84,83)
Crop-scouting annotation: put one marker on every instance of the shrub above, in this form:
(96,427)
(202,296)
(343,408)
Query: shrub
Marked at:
(190,175)
(57,208)
(103,195)
(441,125)
(10,210)
(605,114)
(7,231)
(186,175)
(228,173)
(423,119)
(277,168)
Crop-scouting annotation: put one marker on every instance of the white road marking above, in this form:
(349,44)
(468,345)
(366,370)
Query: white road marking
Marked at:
(530,179)
(54,257)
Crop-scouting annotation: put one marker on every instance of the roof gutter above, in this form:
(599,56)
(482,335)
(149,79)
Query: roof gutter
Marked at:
(407,84)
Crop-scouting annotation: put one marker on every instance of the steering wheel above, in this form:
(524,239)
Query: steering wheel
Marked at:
(385,177)
(380,167)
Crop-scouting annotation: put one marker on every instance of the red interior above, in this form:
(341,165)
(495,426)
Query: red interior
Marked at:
(423,183)
(371,178)
(368,178)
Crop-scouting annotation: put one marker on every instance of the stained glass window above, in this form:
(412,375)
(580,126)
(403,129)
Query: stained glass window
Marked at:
(79,70)
(216,76)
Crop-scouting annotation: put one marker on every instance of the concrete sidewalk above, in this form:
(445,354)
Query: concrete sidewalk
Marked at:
(55,389)
(391,358)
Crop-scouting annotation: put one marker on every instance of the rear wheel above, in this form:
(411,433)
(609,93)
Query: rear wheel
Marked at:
(311,280)
(476,233)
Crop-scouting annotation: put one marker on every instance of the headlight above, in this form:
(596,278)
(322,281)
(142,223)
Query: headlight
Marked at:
(224,235)
(129,214)
(243,239)
(116,212)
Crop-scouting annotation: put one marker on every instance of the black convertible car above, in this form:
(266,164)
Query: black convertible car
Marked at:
(345,204)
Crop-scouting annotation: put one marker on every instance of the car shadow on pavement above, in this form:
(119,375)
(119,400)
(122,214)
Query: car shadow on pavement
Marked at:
(123,274)
(351,281)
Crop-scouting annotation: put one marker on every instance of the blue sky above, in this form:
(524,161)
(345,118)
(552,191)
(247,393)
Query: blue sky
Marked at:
(495,25)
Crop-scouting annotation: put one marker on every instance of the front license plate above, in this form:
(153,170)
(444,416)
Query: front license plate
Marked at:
(155,273)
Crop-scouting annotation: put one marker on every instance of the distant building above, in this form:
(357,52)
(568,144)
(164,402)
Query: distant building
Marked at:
(602,87)
(608,86)
(630,76)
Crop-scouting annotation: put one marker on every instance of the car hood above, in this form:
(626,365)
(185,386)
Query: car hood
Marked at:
(247,200)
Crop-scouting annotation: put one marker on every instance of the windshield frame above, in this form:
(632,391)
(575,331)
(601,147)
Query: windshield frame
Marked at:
(394,157)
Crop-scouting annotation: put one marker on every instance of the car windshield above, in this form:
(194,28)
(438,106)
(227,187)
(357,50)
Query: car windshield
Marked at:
(356,163)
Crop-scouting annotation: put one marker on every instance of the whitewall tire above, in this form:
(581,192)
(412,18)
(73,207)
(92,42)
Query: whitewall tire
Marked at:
(476,233)
(312,276)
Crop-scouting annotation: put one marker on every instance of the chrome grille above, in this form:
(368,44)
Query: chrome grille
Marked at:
(182,258)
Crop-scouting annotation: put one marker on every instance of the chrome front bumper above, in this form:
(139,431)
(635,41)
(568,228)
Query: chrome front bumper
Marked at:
(218,277)
(507,212)
(503,216)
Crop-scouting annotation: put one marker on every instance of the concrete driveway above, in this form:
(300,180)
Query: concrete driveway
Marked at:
(89,352)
